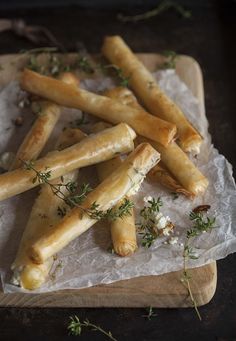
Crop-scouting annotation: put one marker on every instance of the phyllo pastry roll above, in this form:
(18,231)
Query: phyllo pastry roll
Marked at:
(93,149)
(123,230)
(183,169)
(162,176)
(46,212)
(40,131)
(105,108)
(146,88)
(105,196)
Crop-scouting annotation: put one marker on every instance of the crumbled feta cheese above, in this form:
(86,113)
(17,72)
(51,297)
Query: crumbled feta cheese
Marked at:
(167,218)
(161,224)
(147,199)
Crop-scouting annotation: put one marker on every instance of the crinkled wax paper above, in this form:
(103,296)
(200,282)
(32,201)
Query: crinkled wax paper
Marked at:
(86,261)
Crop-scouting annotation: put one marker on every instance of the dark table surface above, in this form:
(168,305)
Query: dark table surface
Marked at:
(208,36)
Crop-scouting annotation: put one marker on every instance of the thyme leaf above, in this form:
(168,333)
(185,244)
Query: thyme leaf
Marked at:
(123,80)
(150,314)
(75,327)
(84,64)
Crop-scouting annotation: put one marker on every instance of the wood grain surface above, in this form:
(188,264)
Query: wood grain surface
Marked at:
(156,291)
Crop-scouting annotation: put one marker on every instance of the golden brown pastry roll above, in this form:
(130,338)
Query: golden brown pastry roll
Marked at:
(93,149)
(107,194)
(46,212)
(184,170)
(101,106)
(146,88)
(173,158)
(123,230)
(161,175)
(39,133)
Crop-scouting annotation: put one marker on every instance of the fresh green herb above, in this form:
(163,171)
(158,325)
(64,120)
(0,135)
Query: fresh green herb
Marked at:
(123,80)
(170,63)
(111,214)
(74,200)
(174,195)
(84,64)
(53,66)
(201,224)
(33,65)
(148,229)
(150,314)
(75,327)
(161,8)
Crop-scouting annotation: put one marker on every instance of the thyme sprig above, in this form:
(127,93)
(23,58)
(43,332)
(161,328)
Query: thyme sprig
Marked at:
(84,64)
(71,199)
(75,199)
(147,227)
(161,8)
(75,327)
(123,80)
(53,67)
(150,314)
(201,225)
(112,214)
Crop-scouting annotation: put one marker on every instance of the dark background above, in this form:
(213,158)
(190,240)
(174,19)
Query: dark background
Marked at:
(209,36)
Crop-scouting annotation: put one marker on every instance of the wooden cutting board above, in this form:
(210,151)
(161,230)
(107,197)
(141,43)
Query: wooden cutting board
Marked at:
(156,291)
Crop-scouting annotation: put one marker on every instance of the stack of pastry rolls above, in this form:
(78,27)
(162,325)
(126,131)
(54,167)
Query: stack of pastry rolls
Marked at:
(145,87)
(179,173)
(155,126)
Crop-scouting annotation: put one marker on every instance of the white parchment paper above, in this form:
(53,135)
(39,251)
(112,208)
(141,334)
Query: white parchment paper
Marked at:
(87,261)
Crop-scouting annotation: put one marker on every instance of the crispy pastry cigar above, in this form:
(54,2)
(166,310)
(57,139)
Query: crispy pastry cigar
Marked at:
(123,230)
(45,213)
(39,133)
(173,157)
(93,149)
(181,166)
(146,88)
(101,106)
(161,175)
(106,195)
